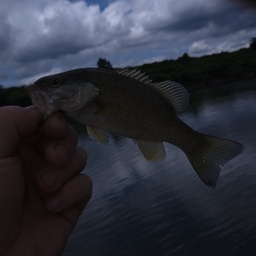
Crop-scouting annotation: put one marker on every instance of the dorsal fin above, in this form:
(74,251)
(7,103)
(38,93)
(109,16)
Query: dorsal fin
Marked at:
(135,74)
(174,92)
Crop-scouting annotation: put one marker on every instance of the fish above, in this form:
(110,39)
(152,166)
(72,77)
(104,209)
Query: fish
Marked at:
(126,102)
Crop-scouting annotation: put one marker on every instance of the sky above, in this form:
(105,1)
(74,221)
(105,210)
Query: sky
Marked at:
(42,37)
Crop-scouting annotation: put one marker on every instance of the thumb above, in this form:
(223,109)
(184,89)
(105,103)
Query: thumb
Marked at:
(16,123)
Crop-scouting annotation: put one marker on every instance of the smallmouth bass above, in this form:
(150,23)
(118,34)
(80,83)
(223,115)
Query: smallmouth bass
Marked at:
(127,103)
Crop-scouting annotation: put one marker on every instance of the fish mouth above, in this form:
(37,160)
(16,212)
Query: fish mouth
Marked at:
(40,99)
(37,99)
(35,95)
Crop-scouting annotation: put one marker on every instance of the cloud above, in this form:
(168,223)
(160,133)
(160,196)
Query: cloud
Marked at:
(199,47)
(4,35)
(40,37)
(61,30)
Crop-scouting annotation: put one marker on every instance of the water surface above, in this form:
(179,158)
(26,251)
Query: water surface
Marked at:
(141,209)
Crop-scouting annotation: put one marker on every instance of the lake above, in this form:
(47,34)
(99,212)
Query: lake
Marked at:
(162,209)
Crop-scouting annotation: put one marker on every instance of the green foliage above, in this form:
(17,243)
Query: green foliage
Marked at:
(184,57)
(208,70)
(14,96)
(253,43)
(2,96)
(103,63)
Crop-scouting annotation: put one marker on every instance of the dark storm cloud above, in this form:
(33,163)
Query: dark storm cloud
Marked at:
(67,30)
(61,33)
(5,33)
(214,22)
(52,47)
(245,3)
(188,20)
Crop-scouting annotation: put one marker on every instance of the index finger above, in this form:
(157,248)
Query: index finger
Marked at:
(56,126)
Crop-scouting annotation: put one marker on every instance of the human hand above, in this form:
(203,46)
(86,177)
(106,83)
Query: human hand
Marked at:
(42,192)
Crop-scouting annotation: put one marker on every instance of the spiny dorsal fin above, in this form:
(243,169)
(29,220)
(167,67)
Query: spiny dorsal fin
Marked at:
(175,93)
(153,151)
(98,134)
(135,74)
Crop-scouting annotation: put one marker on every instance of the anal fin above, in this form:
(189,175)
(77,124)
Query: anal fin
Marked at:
(153,151)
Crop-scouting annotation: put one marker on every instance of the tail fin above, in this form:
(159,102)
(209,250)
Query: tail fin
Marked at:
(212,153)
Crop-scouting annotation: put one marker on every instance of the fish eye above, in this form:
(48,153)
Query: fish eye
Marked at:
(55,82)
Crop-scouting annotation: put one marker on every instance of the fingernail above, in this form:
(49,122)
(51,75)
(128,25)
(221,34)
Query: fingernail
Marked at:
(62,151)
(53,204)
(49,179)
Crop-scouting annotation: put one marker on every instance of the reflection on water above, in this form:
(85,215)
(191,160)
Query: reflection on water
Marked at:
(164,209)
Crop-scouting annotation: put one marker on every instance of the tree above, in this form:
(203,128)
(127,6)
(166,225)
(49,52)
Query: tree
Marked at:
(103,63)
(253,43)
(2,96)
(184,57)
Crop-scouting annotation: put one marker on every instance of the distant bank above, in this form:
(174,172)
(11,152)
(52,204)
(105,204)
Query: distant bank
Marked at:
(206,71)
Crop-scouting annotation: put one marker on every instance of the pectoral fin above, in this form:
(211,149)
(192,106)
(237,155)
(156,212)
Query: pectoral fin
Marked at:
(152,151)
(98,134)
